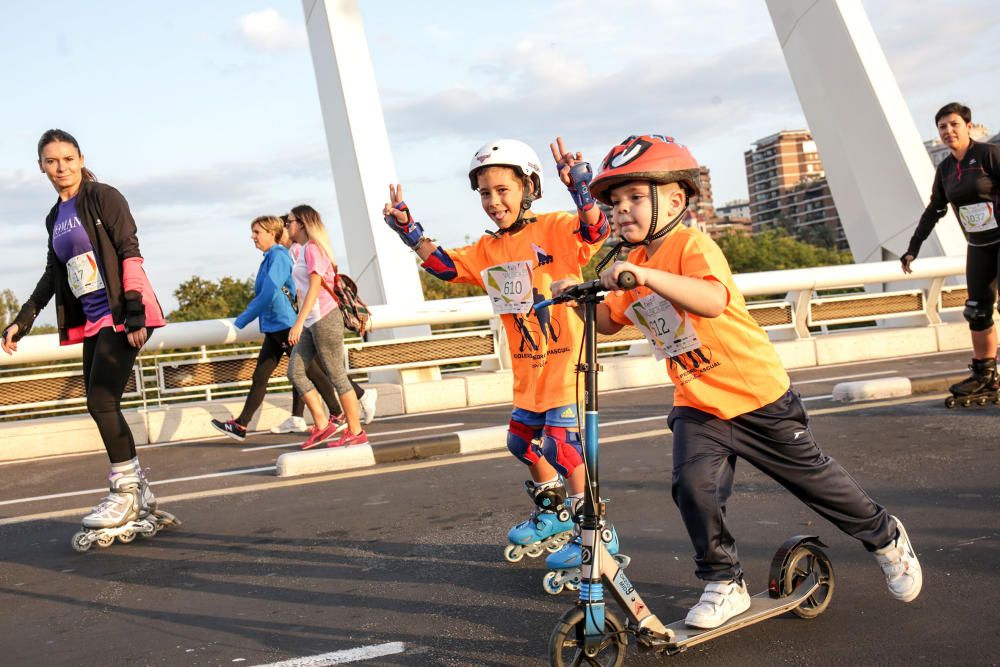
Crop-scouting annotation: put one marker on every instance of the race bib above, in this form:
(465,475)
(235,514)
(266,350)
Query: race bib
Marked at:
(977,217)
(669,333)
(84,276)
(509,287)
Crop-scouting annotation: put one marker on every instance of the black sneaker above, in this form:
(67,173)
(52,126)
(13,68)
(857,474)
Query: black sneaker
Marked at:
(232,428)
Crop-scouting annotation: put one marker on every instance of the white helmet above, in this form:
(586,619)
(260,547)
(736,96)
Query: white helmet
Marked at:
(508,153)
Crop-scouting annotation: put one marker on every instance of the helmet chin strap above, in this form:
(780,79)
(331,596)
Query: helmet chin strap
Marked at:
(651,235)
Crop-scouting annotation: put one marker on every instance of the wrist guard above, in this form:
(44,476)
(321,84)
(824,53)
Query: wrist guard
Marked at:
(411,232)
(580,176)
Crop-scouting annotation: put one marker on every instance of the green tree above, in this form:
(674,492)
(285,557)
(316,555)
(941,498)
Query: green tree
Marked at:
(774,250)
(200,299)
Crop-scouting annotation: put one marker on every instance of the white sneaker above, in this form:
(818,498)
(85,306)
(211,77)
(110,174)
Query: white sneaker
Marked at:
(368,405)
(291,425)
(900,566)
(719,603)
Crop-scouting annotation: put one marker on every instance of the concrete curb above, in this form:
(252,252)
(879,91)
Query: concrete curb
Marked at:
(292,464)
(849,392)
(934,384)
(866,390)
(469,441)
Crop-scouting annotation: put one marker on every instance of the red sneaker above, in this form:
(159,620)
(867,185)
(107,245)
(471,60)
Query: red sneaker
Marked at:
(349,439)
(318,437)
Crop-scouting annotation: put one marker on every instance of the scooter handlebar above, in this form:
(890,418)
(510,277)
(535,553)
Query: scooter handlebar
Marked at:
(626,280)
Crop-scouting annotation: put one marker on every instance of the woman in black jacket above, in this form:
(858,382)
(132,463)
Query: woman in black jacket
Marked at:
(969,180)
(105,301)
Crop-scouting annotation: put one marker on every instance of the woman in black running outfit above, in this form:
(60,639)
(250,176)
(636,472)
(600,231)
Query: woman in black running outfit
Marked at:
(969,180)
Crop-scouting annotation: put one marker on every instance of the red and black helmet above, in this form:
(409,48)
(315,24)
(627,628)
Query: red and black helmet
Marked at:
(649,157)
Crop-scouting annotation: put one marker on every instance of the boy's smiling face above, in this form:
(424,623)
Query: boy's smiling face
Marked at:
(501,192)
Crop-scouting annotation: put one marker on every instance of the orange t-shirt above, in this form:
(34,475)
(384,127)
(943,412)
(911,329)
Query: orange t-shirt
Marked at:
(543,345)
(723,365)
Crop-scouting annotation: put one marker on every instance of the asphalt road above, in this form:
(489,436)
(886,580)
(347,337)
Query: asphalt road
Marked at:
(401,564)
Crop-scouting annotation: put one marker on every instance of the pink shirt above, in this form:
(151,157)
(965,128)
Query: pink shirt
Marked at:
(312,260)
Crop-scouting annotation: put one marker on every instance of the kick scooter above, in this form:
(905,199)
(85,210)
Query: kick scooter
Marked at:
(800,581)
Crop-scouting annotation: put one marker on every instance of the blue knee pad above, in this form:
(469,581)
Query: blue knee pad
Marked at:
(519,442)
(563,449)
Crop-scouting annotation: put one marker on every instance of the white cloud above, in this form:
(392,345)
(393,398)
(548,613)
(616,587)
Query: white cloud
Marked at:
(267,30)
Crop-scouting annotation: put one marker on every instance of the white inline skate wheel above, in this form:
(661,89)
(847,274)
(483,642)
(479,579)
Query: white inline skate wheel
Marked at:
(549,584)
(80,542)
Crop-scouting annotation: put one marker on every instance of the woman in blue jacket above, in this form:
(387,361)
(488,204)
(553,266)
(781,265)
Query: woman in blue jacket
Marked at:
(275,294)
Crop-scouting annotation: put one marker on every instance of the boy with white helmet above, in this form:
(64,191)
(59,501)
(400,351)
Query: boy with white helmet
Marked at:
(732,397)
(516,266)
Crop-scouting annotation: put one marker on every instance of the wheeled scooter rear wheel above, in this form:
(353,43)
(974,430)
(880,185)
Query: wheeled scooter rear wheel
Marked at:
(793,563)
(566,642)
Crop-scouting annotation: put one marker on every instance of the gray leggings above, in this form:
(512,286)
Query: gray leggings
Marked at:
(323,340)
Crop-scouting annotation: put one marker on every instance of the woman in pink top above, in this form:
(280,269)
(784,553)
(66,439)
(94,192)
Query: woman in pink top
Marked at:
(318,331)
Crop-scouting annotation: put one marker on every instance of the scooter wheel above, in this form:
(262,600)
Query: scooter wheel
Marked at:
(949,402)
(512,554)
(566,645)
(806,559)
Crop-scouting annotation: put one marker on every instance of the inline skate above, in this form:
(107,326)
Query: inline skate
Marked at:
(548,528)
(982,387)
(565,565)
(127,511)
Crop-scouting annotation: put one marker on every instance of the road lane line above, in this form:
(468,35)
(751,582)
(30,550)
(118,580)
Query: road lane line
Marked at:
(371,436)
(843,377)
(342,657)
(403,467)
(228,473)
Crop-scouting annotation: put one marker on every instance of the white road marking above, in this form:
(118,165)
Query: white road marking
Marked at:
(843,377)
(371,436)
(384,469)
(228,473)
(342,657)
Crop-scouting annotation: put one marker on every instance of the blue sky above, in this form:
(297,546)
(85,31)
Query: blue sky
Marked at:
(205,114)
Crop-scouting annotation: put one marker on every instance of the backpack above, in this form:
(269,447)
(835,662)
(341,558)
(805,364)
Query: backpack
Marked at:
(357,316)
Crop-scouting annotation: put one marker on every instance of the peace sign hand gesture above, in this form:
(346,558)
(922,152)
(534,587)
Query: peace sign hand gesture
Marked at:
(565,160)
(397,216)
(575,174)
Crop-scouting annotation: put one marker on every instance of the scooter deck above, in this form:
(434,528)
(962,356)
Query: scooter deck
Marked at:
(762,607)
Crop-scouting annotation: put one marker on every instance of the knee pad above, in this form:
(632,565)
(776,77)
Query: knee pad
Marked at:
(978,315)
(562,448)
(519,442)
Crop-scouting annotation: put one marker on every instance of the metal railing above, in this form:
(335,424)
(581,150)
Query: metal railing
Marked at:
(212,359)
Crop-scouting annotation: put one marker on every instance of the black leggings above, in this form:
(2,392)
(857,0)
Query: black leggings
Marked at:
(107,365)
(275,345)
(981,268)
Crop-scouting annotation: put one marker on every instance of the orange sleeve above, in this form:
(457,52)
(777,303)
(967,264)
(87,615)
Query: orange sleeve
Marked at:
(703,258)
(618,304)
(469,262)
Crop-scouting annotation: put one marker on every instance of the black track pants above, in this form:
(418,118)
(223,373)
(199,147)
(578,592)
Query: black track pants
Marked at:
(776,440)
